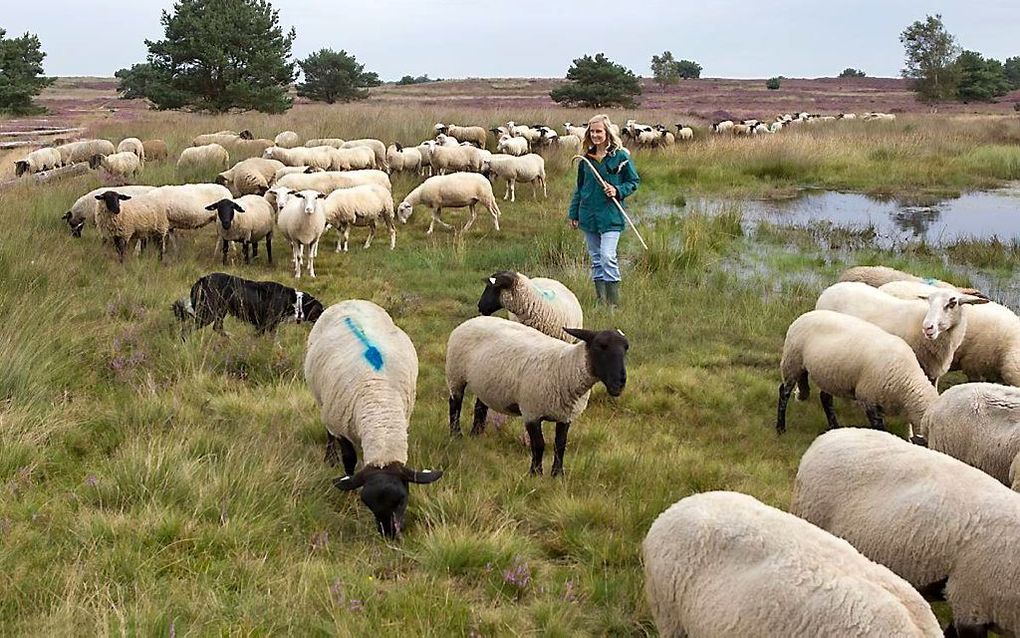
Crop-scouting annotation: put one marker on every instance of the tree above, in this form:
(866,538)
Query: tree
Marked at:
(332,76)
(410,79)
(136,82)
(851,72)
(772,84)
(981,79)
(217,55)
(931,60)
(664,69)
(21,77)
(1011,67)
(689,70)
(597,82)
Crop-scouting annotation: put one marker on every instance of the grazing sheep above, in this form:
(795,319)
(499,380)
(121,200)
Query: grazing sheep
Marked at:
(241,147)
(722,127)
(578,131)
(475,135)
(85,207)
(400,159)
(287,170)
(726,564)
(528,168)
(248,220)
(132,145)
(335,142)
(83,151)
(353,159)
(938,523)
(287,139)
(515,369)
(451,191)
(37,161)
(365,205)
(544,304)
(512,145)
(328,181)
(155,150)
(850,357)
(223,138)
(685,133)
(451,159)
(185,203)
(250,177)
(319,156)
(979,424)
(362,370)
(426,148)
(571,143)
(528,133)
(144,217)
(377,147)
(208,155)
(302,222)
(741,129)
(123,165)
(933,328)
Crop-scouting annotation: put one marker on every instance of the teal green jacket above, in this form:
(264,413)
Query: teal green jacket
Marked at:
(594,212)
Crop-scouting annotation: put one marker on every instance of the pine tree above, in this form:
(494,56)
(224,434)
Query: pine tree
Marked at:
(598,82)
(21,77)
(332,76)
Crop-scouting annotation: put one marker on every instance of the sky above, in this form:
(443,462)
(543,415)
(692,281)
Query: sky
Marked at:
(532,38)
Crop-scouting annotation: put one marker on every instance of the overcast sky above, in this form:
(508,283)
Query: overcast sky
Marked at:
(531,38)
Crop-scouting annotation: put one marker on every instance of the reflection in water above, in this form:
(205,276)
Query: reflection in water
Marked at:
(915,220)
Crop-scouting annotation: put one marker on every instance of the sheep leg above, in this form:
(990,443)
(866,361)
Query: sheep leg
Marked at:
(371,235)
(506,195)
(332,453)
(254,248)
(545,190)
(162,247)
(393,234)
(296,249)
(471,218)
(119,244)
(513,190)
(559,448)
(875,417)
(784,399)
(225,248)
(456,401)
(312,251)
(244,251)
(537,445)
(481,411)
(348,455)
(269,248)
(830,414)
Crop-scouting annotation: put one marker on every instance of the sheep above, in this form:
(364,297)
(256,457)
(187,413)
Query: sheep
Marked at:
(287,170)
(446,140)
(722,127)
(933,328)
(538,377)
(144,217)
(360,206)
(352,159)
(223,138)
(876,276)
(1014,474)
(185,203)
(201,156)
(938,523)
(726,564)
(249,148)
(544,304)
(569,143)
(123,165)
(529,168)
(447,159)
(255,222)
(548,138)
(528,133)
(740,129)
(451,191)
(85,207)
(775,127)
(476,135)
(335,142)
(578,131)
(250,177)
(328,181)
(287,139)
(977,423)
(512,145)
(684,132)
(83,151)
(401,159)
(132,145)
(155,150)
(852,358)
(377,147)
(847,116)
(319,157)
(426,148)
(362,370)
(37,161)
(302,222)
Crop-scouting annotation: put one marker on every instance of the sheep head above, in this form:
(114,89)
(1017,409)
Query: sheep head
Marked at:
(490,300)
(945,310)
(606,350)
(385,492)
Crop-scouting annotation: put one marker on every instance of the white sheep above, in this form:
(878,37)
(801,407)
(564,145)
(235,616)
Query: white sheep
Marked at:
(538,377)
(247,219)
(223,138)
(684,132)
(722,127)
(451,191)
(512,145)
(185,203)
(475,135)
(203,156)
(726,564)
(319,156)
(377,147)
(122,165)
(241,147)
(287,170)
(446,140)
(287,139)
(400,159)
(578,131)
(850,357)
(335,142)
(328,181)
(302,222)
(353,159)
(365,205)
(977,423)
(935,521)
(144,217)
(362,370)
(544,304)
(528,168)
(251,176)
(84,208)
(528,133)
(451,159)
(933,327)
(426,148)
(42,159)
(570,143)
(83,151)
(877,276)
(132,145)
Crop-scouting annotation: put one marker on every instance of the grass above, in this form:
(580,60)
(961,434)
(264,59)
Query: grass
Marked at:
(158,487)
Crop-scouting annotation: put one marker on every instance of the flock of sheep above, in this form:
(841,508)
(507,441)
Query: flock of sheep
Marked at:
(937,515)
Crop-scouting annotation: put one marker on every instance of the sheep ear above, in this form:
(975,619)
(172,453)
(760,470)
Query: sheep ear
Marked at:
(123,197)
(973,299)
(66,216)
(348,483)
(236,207)
(580,333)
(975,292)
(421,477)
(320,195)
(924,297)
(212,206)
(492,280)
(309,170)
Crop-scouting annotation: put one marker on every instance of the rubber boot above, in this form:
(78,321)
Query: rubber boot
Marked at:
(612,293)
(600,291)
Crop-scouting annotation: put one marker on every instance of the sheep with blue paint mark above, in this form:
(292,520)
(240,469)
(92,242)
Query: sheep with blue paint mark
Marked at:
(362,370)
(544,304)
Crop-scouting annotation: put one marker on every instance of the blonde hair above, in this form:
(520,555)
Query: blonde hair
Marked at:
(611,136)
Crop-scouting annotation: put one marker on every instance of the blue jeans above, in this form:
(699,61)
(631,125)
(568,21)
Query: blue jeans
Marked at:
(602,250)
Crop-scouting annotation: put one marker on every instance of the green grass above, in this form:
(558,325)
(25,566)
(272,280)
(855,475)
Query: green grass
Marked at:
(151,486)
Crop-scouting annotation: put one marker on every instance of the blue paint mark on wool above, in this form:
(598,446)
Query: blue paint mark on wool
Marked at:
(930,281)
(548,294)
(372,354)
